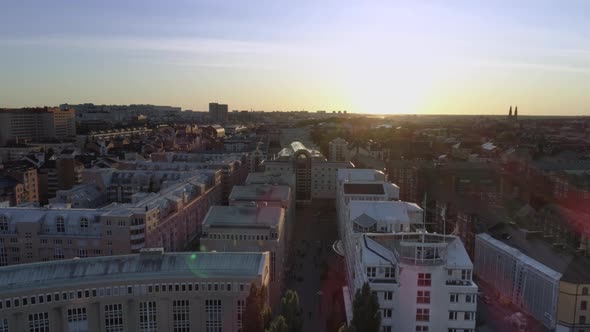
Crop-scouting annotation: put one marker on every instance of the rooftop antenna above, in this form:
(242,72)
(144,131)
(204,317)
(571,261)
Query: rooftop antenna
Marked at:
(424,216)
(443,214)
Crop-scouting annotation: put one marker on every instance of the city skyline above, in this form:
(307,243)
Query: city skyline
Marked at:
(382,58)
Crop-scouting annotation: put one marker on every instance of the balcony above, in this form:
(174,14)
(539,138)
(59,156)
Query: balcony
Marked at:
(456,282)
(137,236)
(383,281)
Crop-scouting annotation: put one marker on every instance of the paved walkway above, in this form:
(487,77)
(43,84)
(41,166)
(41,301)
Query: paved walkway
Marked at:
(312,257)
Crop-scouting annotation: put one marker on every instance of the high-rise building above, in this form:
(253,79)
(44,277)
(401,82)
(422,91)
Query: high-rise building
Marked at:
(338,150)
(218,112)
(33,124)
(149,291)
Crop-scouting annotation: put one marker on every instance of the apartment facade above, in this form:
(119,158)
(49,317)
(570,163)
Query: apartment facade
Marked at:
(551,286)
(34,124)
(27,175)
(423,281)
(249,229)
(573,310)
(149,291)
(384,244)
(170,219)
(518,278)
(338,148)
(315,177)
(267,195)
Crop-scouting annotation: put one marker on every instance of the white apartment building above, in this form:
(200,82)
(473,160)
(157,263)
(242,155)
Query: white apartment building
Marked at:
(381,246)
(364,185)
(520,279)
(423,281)
(338,148)
(149,291)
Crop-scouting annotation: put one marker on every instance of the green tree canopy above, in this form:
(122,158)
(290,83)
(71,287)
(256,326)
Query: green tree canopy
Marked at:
(256,312)
(365,311)
(278,325)
(291,311)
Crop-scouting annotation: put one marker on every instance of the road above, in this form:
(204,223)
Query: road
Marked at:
(316,271)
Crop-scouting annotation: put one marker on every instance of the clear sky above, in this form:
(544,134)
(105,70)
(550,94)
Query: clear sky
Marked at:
(364,56)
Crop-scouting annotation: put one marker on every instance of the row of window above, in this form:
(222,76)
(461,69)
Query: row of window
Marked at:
(77,318)
(384,272)
(455,298)
(240,237)
(142,289)
(465,274)
(465,315)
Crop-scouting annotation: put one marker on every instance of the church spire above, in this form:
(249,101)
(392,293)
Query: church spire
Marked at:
(515,112)
(510,112)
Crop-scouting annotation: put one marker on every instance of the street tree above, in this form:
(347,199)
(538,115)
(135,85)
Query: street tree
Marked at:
(256,312)
(279,324)
(365,310)
(291,311)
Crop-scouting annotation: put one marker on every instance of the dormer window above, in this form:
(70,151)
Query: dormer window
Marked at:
(3,223)
(60,224)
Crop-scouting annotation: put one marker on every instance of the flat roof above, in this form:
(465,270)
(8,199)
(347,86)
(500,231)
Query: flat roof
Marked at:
(550,265)
(454,254)
(360,174)
(147,265)
(244,216)
(383,210)
(271,178)
(260,192)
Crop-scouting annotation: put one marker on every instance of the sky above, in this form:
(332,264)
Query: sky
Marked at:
(379,57)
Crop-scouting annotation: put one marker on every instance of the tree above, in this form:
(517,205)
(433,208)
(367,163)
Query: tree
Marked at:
(345,328)
(256,312)
(291,311)
(365,311)
(278,325)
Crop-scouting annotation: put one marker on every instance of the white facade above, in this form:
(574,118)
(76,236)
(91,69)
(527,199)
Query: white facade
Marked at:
(338,150)
(423,281)
(522,280)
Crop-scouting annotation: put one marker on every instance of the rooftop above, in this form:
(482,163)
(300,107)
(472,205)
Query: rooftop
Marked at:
(148,265)
(399,211)
(529,244)
(539,258)
(360,174)
(260,192)
(244,216)
(420,248)
(364,188)
(270,178)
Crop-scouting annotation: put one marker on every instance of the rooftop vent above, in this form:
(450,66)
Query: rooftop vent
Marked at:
(151,252)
